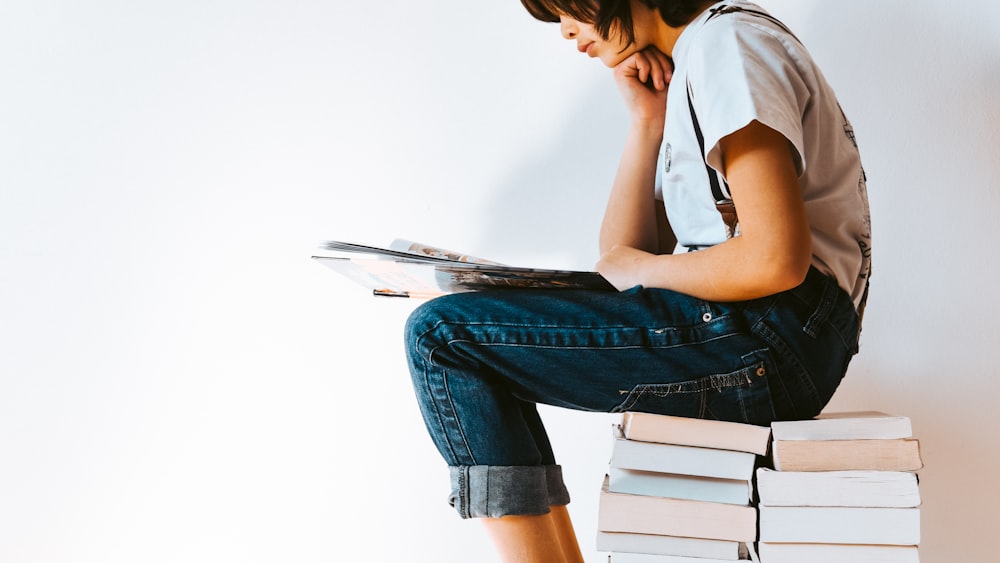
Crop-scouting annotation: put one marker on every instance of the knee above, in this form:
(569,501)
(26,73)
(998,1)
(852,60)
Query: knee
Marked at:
(425,327)
(421,321)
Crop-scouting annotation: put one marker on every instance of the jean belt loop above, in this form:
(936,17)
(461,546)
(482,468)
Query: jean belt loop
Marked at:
(827,298)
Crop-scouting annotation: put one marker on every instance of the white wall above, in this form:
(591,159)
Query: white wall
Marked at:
(180,383)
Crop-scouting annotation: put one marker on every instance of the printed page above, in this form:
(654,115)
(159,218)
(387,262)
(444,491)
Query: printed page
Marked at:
(404,245)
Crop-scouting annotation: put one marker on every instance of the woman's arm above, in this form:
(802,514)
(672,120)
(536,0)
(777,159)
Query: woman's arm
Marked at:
(772,253)
(630,218)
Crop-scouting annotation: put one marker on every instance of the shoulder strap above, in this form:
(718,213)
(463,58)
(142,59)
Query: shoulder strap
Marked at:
(729,9)
(720,188)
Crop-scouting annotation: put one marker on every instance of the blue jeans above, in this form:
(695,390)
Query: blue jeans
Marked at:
(481,361)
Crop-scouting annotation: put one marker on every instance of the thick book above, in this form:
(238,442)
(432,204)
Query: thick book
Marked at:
(901,454)
(672,485)
(887,489)
(409,269)
(703,433)
(626,542)
(834,553)
(639,514)
(822,524)
(865,425)
(682,460)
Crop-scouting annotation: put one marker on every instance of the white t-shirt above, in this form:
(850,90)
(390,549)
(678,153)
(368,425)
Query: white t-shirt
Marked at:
(742,67)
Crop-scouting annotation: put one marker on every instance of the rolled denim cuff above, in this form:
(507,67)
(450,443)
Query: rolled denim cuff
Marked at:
(486,491)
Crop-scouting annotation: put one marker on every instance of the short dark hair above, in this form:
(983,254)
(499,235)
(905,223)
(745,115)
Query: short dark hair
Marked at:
(612,16)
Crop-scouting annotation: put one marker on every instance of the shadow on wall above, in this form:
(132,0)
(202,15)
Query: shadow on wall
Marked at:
(550,206)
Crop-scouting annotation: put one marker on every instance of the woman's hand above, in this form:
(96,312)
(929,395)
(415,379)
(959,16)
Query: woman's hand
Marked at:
(643,79)
(621,266)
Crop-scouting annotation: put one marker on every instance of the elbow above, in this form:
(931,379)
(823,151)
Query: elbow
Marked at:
(790,277)
(775,265)
(784,272)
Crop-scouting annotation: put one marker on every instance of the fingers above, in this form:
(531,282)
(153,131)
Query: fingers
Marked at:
(643,78)
(663,64)
(659,68)
(650,67)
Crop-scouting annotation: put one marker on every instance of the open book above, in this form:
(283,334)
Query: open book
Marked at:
(409,269)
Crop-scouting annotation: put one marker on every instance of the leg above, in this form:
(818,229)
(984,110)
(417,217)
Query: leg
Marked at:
(566,534)
(546,538)
(480,362)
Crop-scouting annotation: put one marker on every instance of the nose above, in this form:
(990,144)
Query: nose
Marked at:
(568,27)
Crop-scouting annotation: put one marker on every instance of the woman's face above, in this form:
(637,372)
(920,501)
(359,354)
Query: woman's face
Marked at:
(615,49)
(611,51)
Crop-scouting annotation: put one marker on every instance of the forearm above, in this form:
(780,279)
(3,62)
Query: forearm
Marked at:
(630,217)
(736,270)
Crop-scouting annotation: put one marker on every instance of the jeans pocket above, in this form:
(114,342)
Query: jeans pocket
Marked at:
(738,396)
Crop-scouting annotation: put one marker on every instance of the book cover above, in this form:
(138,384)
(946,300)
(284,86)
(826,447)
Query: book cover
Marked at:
(834,553)
(626,542)
(682,460)
(864,425)
(821,524)
(888,489)
(422,271)
(691,487)
(846,455)
(638,514)
(704,433)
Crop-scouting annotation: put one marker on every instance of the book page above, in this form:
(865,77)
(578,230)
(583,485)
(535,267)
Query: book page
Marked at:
(404,245)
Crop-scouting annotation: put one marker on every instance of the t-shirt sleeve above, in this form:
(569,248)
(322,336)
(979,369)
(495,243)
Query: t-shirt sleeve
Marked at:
(744,72)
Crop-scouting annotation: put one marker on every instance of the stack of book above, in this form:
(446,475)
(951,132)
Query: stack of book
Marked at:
(844,488)
(680,490)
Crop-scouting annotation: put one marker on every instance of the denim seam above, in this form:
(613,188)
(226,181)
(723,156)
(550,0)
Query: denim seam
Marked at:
(587,347)
(458,421)
(703,406)
(437,408)
(447,393)
(822,312)
(827,309)
(438,324)
(712,382)
(465,492)
(778,345)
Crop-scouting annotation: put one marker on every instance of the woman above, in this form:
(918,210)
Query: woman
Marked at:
(749,328)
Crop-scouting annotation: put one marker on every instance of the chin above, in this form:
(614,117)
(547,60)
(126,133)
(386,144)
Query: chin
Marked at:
(614,59)
(611,61)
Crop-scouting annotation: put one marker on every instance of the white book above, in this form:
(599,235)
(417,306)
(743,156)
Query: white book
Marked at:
(618,512)
(692,487)
(647,558)
(703,433)
(816,524)
(626,542)
(833,553)
(887,489)
(866,425)
(682,460)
